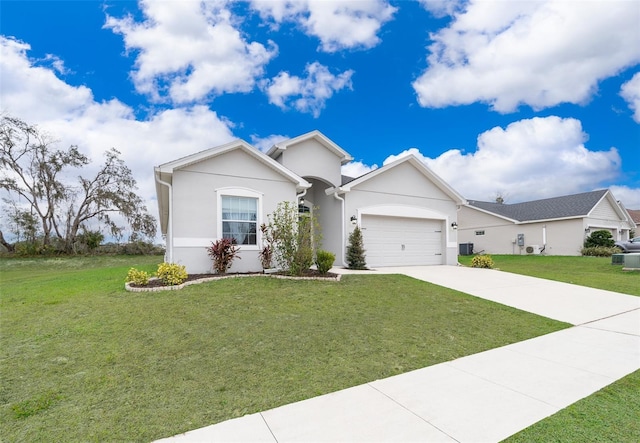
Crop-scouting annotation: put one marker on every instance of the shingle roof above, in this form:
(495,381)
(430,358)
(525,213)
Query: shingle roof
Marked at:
(635,215)
(346,179)
(549,208)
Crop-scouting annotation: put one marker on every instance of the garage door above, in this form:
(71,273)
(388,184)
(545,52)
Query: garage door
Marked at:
(400,241)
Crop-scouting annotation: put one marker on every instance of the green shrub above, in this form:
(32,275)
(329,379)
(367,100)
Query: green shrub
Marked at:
(291,237)
(131,248)
(324,261)
(172,273)
(27,249)
(355,251)
(599,251)
(482,261)
(303,256)
(223,252)
(137,277)
(91,239)
(599,238)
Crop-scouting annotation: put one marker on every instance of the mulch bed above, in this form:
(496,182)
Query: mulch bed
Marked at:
(309,274)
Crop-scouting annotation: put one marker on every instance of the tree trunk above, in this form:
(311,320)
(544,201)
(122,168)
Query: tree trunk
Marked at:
(4,243)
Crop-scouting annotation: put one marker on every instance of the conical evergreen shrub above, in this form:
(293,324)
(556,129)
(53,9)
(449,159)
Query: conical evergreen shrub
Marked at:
(355,250)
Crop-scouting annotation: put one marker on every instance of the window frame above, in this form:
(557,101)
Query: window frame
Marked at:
(246,193)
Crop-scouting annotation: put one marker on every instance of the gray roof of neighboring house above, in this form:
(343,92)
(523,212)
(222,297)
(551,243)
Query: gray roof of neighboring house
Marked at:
(346,179)
(549,208)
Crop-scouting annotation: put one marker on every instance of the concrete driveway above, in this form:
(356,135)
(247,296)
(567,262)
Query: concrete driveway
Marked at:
(484,397)
(560,301)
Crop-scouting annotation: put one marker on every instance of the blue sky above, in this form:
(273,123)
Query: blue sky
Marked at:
(523,99)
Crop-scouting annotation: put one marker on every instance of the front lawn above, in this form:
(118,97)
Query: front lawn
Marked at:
(83,360)
(595,272)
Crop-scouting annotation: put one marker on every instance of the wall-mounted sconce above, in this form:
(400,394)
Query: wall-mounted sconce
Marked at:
(354,220)
(454,226)
(587,230)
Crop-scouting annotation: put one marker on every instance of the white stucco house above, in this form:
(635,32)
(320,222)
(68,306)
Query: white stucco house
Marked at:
(408,215)
(553,226)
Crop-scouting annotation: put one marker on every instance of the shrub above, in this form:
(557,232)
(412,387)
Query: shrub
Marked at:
(172,273)
(92,239)
(303,256)
(291,237)
(324,261)
(355,251)
(27,249)
(599,251)
(131,248)
(266,256)
(223,252)
(482,261)
(140,247)
(137,277)
(599,238)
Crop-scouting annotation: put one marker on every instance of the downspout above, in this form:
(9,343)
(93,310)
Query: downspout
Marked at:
(342,222)
(544,238)
(301,195)
(169,238)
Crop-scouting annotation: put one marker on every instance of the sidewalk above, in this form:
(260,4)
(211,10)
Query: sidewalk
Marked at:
(484,397)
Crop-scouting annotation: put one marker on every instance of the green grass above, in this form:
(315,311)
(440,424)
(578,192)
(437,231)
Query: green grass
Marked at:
(611,414)
(83,360)
(595,272)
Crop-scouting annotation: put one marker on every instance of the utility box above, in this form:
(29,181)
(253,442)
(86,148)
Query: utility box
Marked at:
(617,259)
(466,248)
(632,262)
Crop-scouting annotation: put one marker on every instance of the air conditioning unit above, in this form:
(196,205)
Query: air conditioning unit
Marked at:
(632,262)
(533,249)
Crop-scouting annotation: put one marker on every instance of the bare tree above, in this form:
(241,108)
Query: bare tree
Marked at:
(501,197)
(34,171)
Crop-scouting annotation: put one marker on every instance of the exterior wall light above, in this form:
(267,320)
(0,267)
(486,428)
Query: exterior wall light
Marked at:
(354,220)
(454,226)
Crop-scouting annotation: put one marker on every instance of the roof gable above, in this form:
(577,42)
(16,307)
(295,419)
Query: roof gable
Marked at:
(568,206)
(198,157)
(416,163)
(277,149)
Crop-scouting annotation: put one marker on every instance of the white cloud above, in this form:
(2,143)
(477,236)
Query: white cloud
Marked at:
(338,24)
(356,169)
(190,50)
(265,143)
(442,8)
(71,115)
(307,94)
(527,160)
(538,53)
(630,91)
(630,197)
(29,88)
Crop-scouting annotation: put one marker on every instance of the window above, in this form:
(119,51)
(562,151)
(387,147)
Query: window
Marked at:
(304,209)
(479,232)
(240,219)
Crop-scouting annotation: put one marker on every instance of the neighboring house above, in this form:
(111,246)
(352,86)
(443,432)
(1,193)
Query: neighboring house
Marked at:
(635,216)
(554,226)
(407,214)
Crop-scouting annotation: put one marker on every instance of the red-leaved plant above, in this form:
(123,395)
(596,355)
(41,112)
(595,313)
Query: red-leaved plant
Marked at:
(223,252)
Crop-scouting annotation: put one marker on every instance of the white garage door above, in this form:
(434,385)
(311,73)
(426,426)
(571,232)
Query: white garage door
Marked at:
(400,241)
